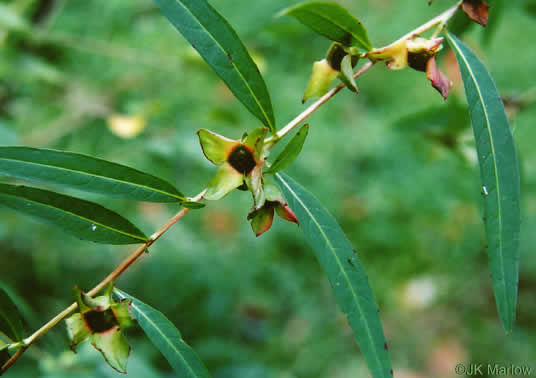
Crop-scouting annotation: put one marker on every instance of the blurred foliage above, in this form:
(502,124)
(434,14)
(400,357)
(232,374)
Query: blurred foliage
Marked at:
(113,79)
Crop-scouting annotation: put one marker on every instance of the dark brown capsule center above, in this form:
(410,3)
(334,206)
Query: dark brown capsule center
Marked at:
(242,160)
(418,61)
(100,321)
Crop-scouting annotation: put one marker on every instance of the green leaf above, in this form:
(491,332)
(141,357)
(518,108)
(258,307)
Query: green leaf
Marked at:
(499,172)
(212,36)
(167,339)
(10,319)
(84,173)
(291,151)
(83,219)
(332,21)
(347,74)
(344,271)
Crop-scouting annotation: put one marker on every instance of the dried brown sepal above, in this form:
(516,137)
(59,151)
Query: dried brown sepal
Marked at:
(438,79)
(477,10)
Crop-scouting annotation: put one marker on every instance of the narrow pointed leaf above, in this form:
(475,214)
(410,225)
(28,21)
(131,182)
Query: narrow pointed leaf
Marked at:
(10,318)
(332,21)
(83,219)
(167,339)
(84,173)
(291,151)
(499,172)
(345,273)
(212,36)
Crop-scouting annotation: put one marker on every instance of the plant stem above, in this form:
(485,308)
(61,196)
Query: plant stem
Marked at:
(442,19)
(311,109)
(101,285)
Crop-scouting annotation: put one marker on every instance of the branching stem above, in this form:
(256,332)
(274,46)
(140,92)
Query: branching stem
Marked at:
(101,285)
(439,21)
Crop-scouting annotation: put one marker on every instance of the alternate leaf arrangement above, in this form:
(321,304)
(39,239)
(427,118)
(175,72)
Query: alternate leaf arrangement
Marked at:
(242,164)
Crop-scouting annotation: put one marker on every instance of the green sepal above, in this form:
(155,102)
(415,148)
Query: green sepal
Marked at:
(254,183)
(321,78)
(346,74)
(395,55)
(226,179)
(262,219)
(77,330)
(123,313)
(86,303)
(114,348)
(273,193)
(215,147)
(255,141)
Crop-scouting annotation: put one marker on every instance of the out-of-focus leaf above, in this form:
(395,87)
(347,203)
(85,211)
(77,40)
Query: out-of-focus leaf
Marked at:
(27,313)
(332,21)
(442,123)
(167,338)
(499,171)
(84,173)
(496,11)
(7,135)
(345,273)
(10,319)
(460,24)
(10,20)
(212,36)
(291,151)
(78,217)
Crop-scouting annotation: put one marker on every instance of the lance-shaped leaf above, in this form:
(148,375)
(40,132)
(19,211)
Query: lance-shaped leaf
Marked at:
(332,21)
(85,173)
(83,219)
(10,319)
(291,151)
(499,171)
(167,339)
(345,273)
(212,36)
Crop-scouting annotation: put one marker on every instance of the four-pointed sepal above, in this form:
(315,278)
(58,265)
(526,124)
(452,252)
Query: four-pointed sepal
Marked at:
(321,78)
(262,218)
(417,53)
(101,320)
(240,162)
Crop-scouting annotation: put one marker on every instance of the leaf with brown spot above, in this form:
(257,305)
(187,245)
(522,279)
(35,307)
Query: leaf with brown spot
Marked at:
(438,79)
(477,10)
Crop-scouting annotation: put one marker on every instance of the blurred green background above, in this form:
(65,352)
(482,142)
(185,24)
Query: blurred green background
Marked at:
(395,165)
